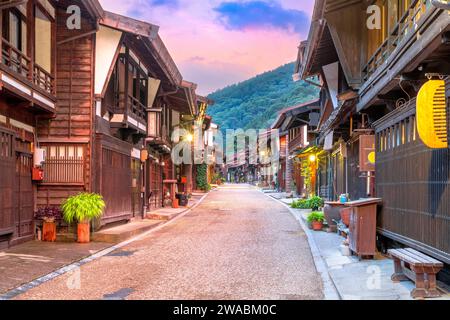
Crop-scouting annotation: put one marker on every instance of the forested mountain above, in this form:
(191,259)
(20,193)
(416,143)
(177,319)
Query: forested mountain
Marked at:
(255,103)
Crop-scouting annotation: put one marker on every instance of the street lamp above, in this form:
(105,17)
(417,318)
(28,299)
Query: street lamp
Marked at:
(312,158)
(189,137)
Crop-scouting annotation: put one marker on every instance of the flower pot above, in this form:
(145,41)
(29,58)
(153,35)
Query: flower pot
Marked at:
(345,216)
(317,225)
(84,232)
(49,231)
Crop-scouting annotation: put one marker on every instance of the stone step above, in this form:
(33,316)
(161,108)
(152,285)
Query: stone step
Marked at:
(165,214)
(161,216)
(125,232)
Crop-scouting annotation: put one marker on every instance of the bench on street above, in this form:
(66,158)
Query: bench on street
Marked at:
(413,265)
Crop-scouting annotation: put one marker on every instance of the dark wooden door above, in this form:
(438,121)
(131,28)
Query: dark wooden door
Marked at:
(23,194)
(136,185)
(155,200)
(7,164)
(116,186)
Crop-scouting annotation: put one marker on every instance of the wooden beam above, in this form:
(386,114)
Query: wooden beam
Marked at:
(130,25)
(11,3)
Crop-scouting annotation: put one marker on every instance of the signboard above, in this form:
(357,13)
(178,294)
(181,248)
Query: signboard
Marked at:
(367,153)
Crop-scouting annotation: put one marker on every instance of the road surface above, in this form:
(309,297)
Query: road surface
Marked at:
(238,244)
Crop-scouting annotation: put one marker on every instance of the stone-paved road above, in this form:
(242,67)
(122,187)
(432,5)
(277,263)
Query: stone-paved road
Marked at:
(238,244)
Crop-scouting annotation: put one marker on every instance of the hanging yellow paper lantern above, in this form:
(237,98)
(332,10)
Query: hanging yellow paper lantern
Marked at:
(432,114)
(371,157)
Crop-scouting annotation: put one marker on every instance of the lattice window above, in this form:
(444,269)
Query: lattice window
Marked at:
(64,164)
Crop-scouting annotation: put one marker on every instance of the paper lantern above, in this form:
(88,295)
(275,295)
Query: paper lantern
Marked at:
(432,114)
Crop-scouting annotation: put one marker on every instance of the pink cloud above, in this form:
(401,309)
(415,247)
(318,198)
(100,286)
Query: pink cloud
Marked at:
(209,53)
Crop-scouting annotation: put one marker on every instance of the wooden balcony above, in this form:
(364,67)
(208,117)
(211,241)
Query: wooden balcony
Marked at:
(26,78)
(415,38)
(403,30)
(161,140)
(296,143)
(21,65)
(130,113)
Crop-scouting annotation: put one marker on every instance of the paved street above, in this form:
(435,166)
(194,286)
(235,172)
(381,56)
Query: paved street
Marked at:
(238,244)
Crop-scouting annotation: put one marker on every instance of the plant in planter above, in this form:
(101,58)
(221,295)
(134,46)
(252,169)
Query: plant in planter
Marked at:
(316,219)
(315,203)
(49,216)
(83,208)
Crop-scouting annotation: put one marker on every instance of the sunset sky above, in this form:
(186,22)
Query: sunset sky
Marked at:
(216,43)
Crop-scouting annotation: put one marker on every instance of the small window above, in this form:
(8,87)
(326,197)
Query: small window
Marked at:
(43,39)
(64,164)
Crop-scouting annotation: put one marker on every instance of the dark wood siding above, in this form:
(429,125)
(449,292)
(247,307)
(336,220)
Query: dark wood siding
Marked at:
(113,177)
(357,181)
(7,164)
(73,121)
(413,181)
(23,196)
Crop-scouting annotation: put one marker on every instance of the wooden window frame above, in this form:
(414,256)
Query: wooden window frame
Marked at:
(52,20)
(64,166)
(6,26)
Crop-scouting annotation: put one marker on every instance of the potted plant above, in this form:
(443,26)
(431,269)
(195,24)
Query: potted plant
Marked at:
(49,216)
(316,219)
(316,203)
(83,208)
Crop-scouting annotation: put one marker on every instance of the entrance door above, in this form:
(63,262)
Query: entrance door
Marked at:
(7,163)
(23,192)
(156,196)
(136,199)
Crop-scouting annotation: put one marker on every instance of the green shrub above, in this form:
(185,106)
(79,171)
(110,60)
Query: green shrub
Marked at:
(202,177)
(313,203)
(301,204)
(83,207)
(316,216)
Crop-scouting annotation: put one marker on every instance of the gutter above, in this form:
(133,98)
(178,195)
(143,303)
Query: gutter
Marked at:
(441,5)
(80,36)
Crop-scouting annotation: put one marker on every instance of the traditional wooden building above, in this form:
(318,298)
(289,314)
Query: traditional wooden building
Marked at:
(342,131)
(88,102)
(297,126)
(379,73)
(34,90)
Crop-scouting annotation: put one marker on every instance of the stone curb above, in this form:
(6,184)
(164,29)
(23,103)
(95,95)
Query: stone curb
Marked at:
(76,265)
(330,291)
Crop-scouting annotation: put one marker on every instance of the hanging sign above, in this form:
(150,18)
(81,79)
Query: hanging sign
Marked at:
(432,114)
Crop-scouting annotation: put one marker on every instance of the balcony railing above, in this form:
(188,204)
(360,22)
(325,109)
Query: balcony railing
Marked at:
(22,65)
(15,60)
(43,79)
(296,143)
(137,108)
(406,24)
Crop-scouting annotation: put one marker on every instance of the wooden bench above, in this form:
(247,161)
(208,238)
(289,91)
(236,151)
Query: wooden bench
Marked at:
(412,265)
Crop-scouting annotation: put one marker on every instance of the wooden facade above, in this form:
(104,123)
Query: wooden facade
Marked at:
(296,125)
(101,101)
(373,92)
